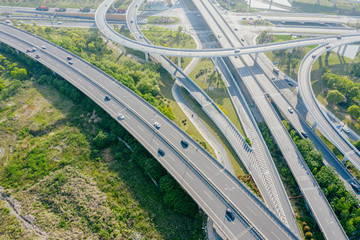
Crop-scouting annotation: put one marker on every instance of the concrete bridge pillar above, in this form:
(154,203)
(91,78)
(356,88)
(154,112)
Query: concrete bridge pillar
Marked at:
(179,62)
(106,39)
(54,73)
(271,1)
(291,50)
(143,5)
(122,49)
(17,51)
(146,56)
(317,2)
(334,3)
(339,49)
(344,161)
(313,127)
(215,63)
(112,6)
(256,56)
(344,49)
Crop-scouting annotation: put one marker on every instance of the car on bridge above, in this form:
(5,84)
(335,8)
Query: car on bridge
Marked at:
(230,215)
(184,144)
(107,98)
(120,117)
(157,125)
(304,134)
(161,152)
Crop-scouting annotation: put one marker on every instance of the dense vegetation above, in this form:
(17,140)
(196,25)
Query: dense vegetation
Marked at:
(306,222)
(141,78)
(68,169)
(344,203)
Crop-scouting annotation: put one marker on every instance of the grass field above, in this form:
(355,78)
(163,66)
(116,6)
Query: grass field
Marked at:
(168,38)
(157,20)
(41,124)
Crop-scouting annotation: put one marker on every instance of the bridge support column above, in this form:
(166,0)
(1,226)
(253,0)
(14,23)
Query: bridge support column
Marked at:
(146,56)
(54,73)
(344,49)
(339,49)
(291,50)
(106,39)
(334,3)
(122,49)
(143,5)
(270,4)
(344,161)
(215,63)
(256,56)
(317,2)
(17,51)
(179,62)
(314,126)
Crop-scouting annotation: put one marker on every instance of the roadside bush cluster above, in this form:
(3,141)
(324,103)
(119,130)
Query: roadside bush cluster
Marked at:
(344,203)
(142,79)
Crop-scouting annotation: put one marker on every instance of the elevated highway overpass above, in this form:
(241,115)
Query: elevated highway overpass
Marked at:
(320,117)
(236,50)
(258,162)
(196,171)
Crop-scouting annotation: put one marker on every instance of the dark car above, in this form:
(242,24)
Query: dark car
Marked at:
(229,214)
(304,134)
(355,187)
(37,56)
(161,152)
(107,98)
(69,58)
(184,143)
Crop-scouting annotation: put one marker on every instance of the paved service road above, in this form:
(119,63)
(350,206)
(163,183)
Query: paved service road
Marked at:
(208,182)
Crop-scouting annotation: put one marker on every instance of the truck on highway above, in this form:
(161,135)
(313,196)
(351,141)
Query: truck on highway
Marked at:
(60,9)
(85,9)
(276,70)
(42,8)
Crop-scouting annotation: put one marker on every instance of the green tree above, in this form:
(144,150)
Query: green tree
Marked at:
(20,73)
(354,111)
(334,96)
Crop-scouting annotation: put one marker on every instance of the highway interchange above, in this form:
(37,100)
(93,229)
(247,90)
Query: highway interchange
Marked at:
(250,69)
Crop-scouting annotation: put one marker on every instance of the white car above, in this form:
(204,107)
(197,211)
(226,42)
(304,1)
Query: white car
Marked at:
(290,110)
(43,47)
(346,129)
(157,125)
(120,117)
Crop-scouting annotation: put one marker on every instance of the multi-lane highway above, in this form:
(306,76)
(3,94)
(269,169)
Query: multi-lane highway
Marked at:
(251,75)
(321,118)
(258,162)
(210,185)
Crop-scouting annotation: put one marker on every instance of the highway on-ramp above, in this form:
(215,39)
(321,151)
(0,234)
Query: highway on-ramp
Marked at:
(321,118)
